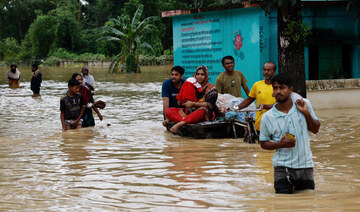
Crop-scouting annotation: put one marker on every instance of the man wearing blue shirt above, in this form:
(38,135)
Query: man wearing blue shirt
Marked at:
(171,88)
(287,125)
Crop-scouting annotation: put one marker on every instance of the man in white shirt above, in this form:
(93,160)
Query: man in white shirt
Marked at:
(88,80)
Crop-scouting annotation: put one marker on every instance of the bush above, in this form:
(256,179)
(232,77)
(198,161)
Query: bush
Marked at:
(91,56)
(169,52)
(9,49)
(152,60)
(61,53)
(52,61)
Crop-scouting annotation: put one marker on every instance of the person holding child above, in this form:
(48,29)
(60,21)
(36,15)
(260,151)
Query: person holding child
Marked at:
(72,107)
(202,109)
(88,119)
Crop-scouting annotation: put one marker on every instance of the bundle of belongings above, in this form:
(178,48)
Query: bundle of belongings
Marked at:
(228,106)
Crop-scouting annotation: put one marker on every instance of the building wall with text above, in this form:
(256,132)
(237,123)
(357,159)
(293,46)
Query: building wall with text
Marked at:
(204,38)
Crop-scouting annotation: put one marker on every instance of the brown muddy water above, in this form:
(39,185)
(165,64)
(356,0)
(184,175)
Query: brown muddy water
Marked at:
(136,165)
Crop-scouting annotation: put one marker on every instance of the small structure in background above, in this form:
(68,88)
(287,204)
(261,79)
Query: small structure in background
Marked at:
(204,36)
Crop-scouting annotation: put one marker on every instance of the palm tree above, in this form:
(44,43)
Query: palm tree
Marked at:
(130,35)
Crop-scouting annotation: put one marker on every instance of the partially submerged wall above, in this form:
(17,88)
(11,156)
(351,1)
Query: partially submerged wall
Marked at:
(80,63)
(333,94)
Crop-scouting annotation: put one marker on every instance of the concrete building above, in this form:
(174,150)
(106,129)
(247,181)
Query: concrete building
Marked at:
(204,36)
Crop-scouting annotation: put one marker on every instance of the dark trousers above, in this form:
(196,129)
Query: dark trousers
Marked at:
(36,91)
(288,180)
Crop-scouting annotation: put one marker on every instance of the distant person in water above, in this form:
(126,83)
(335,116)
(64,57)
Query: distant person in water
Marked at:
(88,80)
(72,107)
(36,79)
(88,119)
(13,76)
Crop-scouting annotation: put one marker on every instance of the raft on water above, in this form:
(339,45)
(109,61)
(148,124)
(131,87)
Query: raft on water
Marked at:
(219,129)
(210,129)
(242,126)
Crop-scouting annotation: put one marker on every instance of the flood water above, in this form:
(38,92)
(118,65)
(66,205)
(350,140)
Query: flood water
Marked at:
(136,165)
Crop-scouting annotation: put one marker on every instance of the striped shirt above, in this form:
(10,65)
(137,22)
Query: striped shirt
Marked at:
(274,125)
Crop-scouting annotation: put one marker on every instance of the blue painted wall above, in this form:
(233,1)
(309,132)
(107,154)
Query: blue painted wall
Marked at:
(204,38)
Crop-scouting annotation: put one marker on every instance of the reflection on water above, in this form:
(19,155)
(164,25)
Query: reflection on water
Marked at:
(134,164)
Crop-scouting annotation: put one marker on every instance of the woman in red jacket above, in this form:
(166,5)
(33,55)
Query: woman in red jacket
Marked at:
(204,109)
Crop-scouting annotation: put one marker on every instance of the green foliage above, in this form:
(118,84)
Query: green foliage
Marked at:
(25,55)
(57,29)
(67,34)
(267,5)
(41,35)
(9,48)
(169,52)
(152,60)
(100,11)
(61,53)
(131,64)
(129,33)
(42,26)
(91,56)
(298,31)
(52,61)
(16,19)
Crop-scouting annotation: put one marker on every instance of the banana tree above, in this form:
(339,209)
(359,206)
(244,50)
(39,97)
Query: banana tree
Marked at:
(129,34)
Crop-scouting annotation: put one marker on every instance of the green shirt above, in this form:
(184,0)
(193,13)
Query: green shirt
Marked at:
(230,84)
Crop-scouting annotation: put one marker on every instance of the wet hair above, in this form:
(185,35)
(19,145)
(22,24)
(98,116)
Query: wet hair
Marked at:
(73,82)
(283,79)
(85,68)
(75,75)
(204,68)
(179,69)
(272,64)
(35,66)
(229,57)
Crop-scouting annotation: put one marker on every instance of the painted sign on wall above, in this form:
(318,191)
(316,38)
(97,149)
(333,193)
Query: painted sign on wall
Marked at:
(204,38)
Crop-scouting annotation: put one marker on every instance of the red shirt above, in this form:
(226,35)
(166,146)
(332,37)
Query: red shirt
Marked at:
(86,95)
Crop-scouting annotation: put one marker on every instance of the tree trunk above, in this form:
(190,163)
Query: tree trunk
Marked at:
(20,33)
(290,53)
(1,15)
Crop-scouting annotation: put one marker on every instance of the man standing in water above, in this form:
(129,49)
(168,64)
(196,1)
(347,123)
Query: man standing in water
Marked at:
(230,81)
(88,80)
(262,91)
(287,124)
(36,79)
(13,76)
(171,88)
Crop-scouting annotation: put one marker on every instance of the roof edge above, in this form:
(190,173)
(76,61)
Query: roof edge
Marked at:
(209,9)
(246,4)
